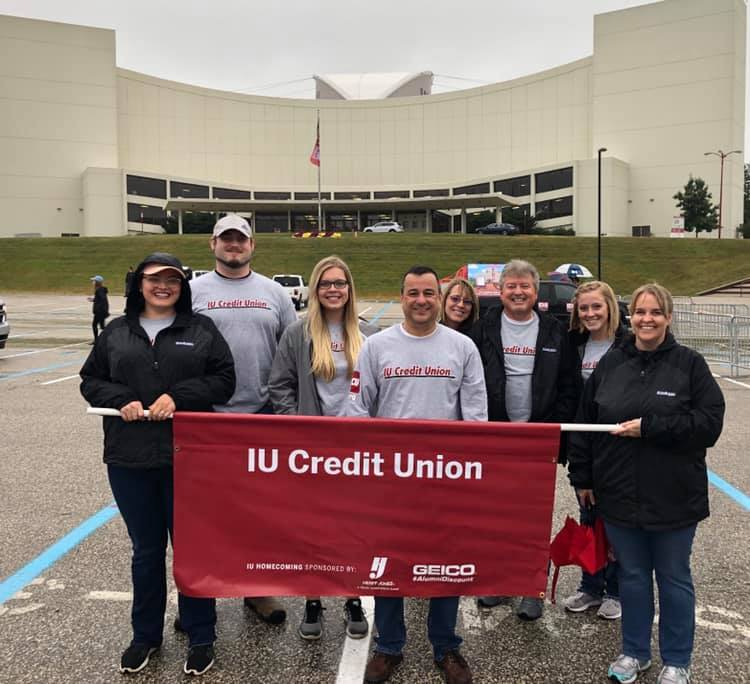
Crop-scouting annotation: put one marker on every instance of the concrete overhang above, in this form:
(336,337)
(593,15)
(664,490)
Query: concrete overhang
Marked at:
(467,202)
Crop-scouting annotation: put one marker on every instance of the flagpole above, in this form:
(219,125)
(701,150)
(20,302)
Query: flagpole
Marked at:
(320,208)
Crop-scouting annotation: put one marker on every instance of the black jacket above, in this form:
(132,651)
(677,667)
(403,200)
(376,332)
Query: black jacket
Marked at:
(100,308)
(555,384)
(190,361)
(659,481)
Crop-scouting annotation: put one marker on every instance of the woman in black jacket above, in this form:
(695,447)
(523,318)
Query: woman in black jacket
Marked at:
(595,327)
(648,478)
(160,358)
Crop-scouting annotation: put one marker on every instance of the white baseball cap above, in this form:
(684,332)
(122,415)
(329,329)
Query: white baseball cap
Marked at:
(232,222)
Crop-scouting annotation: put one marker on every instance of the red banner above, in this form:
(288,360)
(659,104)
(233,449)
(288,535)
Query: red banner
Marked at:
(282,506)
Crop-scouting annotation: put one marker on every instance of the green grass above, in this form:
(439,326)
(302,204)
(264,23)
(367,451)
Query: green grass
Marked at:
(685,266)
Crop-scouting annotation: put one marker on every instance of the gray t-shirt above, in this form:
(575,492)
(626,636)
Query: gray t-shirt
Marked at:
(592,352)
(153,326)
(251,313)
(519,350)
(333,394)
(398,375)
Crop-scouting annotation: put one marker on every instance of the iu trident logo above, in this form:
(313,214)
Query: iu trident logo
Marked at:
(378,567)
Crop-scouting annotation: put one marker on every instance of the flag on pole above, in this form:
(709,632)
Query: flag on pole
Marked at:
(315,154)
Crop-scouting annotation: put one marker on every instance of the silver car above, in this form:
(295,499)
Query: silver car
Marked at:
(384,227)
(4,325)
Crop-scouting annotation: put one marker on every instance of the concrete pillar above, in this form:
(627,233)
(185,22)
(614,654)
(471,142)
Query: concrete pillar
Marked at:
(179,221)
(289,221)
(393,214)
(498,214)
(428,220)
(463,221)
(359,220)
(252,222)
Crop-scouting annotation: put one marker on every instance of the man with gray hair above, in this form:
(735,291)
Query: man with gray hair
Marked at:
(529,369)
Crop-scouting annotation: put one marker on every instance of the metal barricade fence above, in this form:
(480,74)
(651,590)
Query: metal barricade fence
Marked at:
(720,338)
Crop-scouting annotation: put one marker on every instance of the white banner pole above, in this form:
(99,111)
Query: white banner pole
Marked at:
(564,427)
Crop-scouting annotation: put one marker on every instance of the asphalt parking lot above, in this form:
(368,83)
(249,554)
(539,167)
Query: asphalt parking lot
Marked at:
(70,622)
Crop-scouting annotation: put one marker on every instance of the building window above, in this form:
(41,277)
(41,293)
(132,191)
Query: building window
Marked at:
(146,187)
(273,195)
(514,187)
(515,215)
(229,193)
(554,208)
(311,196)
(390,194)
(143,213)
(554,180)
(641,231)
(271,222)
(351,195)
(180,189)
(442,192)
(476,189)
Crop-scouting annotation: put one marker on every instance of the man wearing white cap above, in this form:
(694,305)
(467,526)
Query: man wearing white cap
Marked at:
(251,311)
(100,308)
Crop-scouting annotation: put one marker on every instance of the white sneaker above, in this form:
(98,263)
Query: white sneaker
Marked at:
(674,675)
(625,669)
(610,609)
(580,601)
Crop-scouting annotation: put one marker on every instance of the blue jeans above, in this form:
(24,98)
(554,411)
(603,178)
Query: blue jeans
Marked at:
(441,625)
(602,583)
(145,499)
(641,553)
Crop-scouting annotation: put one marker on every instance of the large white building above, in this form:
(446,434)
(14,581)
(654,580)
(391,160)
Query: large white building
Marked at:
(88,148)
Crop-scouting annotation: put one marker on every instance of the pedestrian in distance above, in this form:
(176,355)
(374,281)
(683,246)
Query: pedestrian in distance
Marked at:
(419,340)
(460,306)
(529,369)
(310,376)
(162,358)
(251,312)
(100,307)
(595,328)
(648,478)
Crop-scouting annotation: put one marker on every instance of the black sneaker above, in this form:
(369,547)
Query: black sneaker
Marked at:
(136,657)
(356,622)
(200,659)
(311,626)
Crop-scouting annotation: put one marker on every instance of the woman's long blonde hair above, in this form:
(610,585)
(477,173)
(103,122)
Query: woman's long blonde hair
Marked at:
(613,310)
(322,365)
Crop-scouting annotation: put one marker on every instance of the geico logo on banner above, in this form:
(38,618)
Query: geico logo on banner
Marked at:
(465,570)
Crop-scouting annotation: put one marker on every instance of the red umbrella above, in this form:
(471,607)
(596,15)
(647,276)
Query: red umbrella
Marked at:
(580,545)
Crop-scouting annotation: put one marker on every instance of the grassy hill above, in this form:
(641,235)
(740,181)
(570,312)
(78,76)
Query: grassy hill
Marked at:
(685,266)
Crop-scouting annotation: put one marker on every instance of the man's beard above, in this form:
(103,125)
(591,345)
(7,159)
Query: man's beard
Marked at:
(237,262)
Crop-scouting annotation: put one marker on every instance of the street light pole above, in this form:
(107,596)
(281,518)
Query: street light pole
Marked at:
(722,155)
(599,215)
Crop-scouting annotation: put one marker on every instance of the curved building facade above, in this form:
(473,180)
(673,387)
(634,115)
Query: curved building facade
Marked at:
(88,148)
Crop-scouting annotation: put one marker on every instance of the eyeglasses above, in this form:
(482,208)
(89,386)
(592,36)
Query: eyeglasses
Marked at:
(455,299)
(335,284)
(172,282)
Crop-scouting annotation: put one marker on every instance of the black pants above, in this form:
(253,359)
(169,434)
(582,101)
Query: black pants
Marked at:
(98,322)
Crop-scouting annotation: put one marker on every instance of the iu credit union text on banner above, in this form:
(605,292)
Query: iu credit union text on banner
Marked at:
(282,506)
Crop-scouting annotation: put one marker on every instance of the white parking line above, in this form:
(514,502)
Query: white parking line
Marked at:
(109,596)
(734,382)
(354,656)
(33,334)
(42,351)
(67,377)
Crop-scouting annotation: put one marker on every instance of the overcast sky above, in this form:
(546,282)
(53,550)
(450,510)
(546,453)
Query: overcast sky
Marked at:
(248,45)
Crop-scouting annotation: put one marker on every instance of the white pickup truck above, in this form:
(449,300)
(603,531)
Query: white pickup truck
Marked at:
(296,286)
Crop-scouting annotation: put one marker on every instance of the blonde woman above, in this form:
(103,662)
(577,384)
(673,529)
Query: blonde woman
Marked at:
(460,306)
(310,376)
(595,327)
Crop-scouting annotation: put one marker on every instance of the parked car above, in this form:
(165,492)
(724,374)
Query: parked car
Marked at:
(296,286)
(4,325)
(554,297)
(498,229)
(384,227)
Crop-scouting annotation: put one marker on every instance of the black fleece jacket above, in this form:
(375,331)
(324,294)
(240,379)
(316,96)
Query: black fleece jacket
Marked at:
(658,481)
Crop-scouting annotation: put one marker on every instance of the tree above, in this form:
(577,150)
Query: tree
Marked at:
(519,216)
(695,202)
